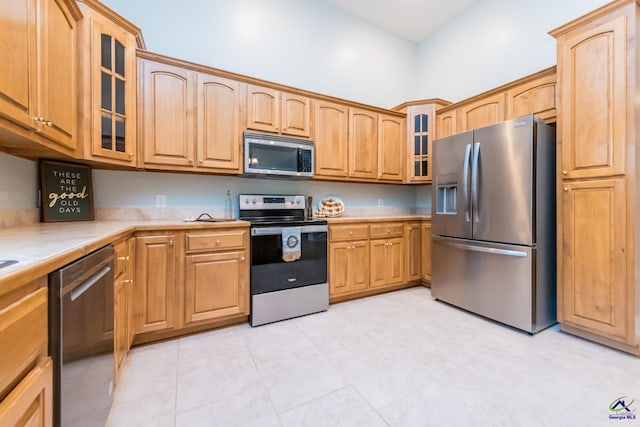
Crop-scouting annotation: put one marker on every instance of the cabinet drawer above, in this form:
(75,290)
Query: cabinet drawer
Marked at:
(392,229)
(30,403)
(121,258)
(348,232)
(218,240)
(23,337)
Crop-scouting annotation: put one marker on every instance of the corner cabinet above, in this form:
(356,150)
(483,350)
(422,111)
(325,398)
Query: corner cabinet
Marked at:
(39,73)
(598,128)
(420,133)
(108,86)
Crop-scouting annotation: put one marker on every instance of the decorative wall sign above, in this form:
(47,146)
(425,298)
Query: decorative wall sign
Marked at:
(66,192)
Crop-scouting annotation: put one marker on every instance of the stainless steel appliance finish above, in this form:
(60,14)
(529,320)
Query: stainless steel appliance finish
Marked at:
(284,289)
(81,339)
(493,222)
(274,156)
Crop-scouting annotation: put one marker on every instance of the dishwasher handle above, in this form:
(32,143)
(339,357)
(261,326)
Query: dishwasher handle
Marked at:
(84,286)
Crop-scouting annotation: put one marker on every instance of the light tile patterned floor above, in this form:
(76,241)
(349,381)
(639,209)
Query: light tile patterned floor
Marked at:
(398,359)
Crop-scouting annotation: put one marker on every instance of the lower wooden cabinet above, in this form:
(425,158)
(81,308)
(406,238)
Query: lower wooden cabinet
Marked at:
(425,250)
(155,287)
(594,293)
(349,267)
(371,257)
(190,280)
(387,262)
(414,252)
(216,286)
(30,403)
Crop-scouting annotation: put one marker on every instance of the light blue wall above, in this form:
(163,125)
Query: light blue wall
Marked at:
(301,43)
(492,43)
(138,189)
(18,183)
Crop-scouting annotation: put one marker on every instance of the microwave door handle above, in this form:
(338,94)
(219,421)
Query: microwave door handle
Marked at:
(474,182)
(465,181)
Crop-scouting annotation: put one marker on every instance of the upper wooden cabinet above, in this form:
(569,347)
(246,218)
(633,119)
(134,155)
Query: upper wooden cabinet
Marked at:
(190,119)
(483,112)
(532,94)
(594,98)
(420,133)
(446,124)
(536,95)
(391,148)
(108,86)
(331,139)
(271,110)
(363,143)
(167,114)
(38,72)
(219,140)
(597,135)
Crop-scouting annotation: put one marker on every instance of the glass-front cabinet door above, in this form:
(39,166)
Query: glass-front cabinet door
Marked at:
(420,121)
(108,94)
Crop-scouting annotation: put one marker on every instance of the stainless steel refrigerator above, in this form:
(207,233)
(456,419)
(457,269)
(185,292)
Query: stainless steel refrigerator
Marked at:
(493,222)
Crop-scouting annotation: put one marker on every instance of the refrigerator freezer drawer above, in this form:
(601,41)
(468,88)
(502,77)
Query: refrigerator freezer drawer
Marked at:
(493,280)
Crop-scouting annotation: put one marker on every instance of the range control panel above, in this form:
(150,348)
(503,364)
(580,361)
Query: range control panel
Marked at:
(267,201)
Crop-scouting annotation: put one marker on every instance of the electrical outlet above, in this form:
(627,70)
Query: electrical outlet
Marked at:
(380,203)
(161,201)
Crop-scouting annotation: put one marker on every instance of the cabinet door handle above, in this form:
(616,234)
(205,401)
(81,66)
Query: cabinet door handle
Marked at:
(566,188)
(564,172)
(217,242)
(130,155)
(242,258)
(123,258)
(170,242)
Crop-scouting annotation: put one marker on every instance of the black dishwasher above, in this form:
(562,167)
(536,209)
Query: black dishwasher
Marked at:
(81,339)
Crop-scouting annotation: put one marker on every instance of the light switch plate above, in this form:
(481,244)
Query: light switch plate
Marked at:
(161,201)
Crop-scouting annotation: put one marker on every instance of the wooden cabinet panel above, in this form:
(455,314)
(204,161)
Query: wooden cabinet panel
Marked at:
(420,135)
(363,144)
(536,97)
(155,284)
(30,404)
(57,73)
(593,294)
(426,251)
(414,253)
(349,267)
(391,148)
(219,134)
(263,109)
(484,112)
(23,332)
(216,286)
(387,262)
(296,115)
(446,124)
(215,240)
(348,232)
(121,323)
(108,89)
(593,99)
(18,61)
(331,139)
(391,229)
(168,114)
(38,70)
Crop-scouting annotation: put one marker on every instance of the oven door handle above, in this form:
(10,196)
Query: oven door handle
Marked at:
(273,231)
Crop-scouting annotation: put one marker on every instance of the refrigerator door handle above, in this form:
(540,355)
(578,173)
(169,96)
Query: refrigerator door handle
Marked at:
(474,182)
(507,252)
(465,177)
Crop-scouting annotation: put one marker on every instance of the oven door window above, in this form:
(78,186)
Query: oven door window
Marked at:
(269,272)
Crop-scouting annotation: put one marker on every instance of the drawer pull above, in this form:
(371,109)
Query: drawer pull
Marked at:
(242,258)
(123,258)
(217,242)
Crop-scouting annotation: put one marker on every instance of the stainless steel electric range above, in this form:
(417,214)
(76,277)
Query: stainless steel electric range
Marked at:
(288,258)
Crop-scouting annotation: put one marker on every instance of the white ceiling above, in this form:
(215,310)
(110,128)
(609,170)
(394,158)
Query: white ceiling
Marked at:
(410,19)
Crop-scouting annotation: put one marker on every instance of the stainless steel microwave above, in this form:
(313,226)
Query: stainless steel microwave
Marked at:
(275,156)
